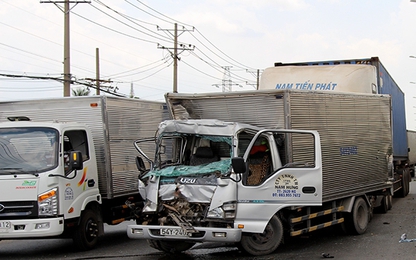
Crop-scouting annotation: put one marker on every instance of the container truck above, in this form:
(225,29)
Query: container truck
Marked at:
(249,168)
(68,165)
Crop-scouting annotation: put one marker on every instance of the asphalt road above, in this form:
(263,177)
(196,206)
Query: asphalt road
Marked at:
(381,241)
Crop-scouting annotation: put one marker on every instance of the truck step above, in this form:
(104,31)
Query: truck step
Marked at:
(313,228)
(316,214)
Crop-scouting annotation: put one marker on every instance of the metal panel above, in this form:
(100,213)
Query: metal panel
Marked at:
(355,138)
(265,109)
(388,86)
(128,120)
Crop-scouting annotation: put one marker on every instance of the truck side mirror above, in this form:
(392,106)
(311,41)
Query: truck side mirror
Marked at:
(239,165)
(140,164)
(75,160)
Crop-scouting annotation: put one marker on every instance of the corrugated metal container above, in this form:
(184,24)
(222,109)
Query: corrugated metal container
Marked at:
(385,85)
(115,124)
(355,129)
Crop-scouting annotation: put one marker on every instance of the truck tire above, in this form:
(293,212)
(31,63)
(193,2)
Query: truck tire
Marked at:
(86,233)
(386,204)
(404,191)
(356,222)
(266,242)
(172,247)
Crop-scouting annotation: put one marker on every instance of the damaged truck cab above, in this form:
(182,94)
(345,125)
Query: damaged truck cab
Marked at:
(216,181)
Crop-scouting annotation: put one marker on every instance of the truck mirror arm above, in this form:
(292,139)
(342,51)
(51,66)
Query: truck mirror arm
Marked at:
(65,177)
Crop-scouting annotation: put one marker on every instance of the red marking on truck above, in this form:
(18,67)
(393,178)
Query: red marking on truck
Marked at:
(83,177)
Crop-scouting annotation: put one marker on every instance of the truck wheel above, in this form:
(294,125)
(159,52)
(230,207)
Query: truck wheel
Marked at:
(384,207)
(86,234)
(173,247)
(356,223)
(390,201)
(266,242)
(405,184)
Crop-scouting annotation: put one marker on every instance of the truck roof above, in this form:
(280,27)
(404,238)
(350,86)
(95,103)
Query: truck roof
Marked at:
(203,127)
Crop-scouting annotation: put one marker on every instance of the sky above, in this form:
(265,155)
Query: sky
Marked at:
(219,41)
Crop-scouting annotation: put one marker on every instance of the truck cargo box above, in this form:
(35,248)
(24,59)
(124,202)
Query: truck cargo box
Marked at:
(355,129)
(115,124)
(367,75)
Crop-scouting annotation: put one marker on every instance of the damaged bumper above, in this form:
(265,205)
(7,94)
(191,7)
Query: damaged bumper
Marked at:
(203,234)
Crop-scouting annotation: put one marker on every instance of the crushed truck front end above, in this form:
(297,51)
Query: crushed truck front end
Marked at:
(191,192)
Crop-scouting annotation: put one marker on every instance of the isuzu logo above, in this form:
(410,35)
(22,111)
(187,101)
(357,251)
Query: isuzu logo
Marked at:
(1,207)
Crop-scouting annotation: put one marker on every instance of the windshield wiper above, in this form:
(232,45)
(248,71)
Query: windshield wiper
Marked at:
(11,170)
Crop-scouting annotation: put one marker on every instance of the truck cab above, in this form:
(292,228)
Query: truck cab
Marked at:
(209,176)
(48,174)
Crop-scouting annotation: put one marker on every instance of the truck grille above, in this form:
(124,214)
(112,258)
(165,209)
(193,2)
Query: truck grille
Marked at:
(10,210)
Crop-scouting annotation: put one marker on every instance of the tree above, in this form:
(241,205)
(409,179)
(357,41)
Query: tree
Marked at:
(81,91)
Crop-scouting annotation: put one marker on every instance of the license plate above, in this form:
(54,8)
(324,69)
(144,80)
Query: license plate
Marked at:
(5,225)
(172,232)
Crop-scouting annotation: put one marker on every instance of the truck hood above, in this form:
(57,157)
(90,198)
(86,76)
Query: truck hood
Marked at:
(19,189)
(199,188)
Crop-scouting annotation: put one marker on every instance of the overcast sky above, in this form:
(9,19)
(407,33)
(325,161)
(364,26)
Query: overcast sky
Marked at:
(134,39)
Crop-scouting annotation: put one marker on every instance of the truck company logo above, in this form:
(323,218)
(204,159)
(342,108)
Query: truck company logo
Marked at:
(287,186)
(27,185)
(307,86)
(350,150)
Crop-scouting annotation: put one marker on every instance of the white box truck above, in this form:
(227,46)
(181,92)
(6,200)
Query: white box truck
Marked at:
(251,167)
(67,165)
(349,157)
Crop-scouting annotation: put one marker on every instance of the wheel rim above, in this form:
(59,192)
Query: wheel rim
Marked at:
(91,230)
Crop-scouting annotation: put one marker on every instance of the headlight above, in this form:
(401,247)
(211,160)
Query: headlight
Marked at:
(48,203)
(226,211)
(216,213)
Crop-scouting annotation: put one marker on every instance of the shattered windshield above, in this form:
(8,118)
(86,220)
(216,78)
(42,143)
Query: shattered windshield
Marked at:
(28,150)
(192,154)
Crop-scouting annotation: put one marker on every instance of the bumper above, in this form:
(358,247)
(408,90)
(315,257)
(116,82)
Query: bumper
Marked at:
(204,234)
(30,228)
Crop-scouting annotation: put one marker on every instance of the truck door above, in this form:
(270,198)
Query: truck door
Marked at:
(283,169)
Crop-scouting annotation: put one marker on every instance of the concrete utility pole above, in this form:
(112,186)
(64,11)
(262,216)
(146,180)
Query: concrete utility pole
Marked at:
(175,52)
(257,75)
(97,71)
(67,64)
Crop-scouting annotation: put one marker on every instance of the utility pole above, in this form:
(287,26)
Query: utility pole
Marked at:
(97,71)
(67,64)
(257,75)
(175,48)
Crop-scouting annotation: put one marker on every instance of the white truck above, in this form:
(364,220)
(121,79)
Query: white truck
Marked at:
(295,162)
(68,165)
(363,152)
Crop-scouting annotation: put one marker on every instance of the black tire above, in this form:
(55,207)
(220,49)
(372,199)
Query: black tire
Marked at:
(384,207)
(172,247)
(405,184)
(86,234)
(390,201)
(356,222)
(266,242)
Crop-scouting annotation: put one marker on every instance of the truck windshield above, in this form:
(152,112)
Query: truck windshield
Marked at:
(192,154)
(28,150)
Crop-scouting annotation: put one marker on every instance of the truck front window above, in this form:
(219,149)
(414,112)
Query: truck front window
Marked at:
(28,150)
